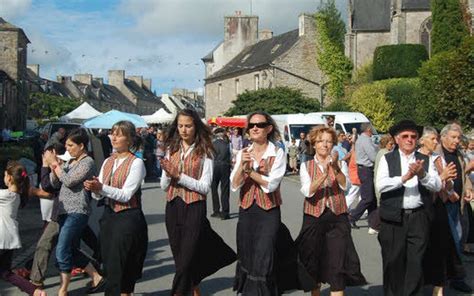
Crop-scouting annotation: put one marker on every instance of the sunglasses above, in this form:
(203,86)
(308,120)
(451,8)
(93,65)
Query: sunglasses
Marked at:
(251,125)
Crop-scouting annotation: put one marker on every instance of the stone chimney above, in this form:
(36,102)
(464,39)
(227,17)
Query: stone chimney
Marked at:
(147,84)
(62,79)
(137,79)
(240,31)
(116,77)
(265,34)
(35,68)
(83,78)
(307,25)
(99,80)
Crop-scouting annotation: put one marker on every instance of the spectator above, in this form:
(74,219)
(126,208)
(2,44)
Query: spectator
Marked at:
(293,156)
(222,166)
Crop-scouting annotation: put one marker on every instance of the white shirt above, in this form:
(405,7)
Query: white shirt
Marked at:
(202,185)
(131,185)
(411,195)
(305,178)
(9,233)
(276,174)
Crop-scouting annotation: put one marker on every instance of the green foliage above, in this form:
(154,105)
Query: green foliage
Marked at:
(364,74)
(279,100)
(447,82)
(43,106)
(405,95)
(15,151)
(330,49)
(401,60)
(340,104)
(449,28)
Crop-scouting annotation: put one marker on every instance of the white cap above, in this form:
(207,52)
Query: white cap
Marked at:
(65,157)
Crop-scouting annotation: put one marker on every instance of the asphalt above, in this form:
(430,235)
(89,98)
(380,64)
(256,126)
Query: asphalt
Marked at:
(159,266)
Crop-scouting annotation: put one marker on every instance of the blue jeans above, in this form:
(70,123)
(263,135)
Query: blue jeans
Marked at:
(71,227)
(454,212)
(158,168)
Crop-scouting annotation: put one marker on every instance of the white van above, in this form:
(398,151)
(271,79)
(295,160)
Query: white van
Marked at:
(345,121)
(291,125)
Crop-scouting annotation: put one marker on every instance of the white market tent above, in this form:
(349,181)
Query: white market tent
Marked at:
(81,113)
(160,116)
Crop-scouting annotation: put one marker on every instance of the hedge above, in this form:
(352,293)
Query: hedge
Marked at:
(395,61)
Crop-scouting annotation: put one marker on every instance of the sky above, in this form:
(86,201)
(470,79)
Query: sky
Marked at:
(159,39)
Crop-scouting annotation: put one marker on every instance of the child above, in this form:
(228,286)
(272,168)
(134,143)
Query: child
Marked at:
(293,155)
(17,181)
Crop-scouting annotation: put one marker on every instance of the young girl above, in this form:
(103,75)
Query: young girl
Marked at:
(17,181)
(187,173)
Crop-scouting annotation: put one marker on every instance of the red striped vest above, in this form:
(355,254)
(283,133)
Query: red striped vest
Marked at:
(192,167)
(117,179)
(328,195)
(251,191)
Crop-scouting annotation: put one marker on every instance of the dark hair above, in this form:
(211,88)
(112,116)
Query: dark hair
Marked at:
(275,133)
(20,179)
(202,137)
(56,147)
(128,129)
(79,136)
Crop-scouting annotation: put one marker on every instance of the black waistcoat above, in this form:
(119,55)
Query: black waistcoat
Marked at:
(391,202)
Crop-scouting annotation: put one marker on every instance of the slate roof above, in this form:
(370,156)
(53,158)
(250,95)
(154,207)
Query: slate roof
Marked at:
(416,5)
(140,92)
(259,54)
(210,55)
(371,15)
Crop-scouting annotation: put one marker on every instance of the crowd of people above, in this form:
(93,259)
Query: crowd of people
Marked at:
(415,187)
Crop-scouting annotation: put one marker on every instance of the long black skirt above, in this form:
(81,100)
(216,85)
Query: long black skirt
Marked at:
(441,261)
(198,251)
(266,254)
(326,250)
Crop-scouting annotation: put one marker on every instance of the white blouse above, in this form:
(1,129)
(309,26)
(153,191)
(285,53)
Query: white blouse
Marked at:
(9,233)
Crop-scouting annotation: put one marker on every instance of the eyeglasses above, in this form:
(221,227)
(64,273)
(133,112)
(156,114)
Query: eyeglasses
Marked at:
(405,136)
(251,125)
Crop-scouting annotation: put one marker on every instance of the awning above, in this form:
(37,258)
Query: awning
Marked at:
(228,121)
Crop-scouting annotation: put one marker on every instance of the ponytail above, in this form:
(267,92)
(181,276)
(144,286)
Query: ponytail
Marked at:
(20,179)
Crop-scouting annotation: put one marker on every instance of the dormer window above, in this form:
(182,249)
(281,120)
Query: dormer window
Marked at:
(245,58)
(275,48)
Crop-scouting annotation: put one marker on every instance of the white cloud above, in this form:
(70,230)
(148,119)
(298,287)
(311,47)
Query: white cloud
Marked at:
(10,9)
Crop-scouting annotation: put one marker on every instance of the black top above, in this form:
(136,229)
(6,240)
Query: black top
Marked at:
(453,157)
(222,155)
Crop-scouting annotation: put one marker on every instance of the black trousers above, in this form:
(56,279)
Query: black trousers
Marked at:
(403,248)
(221,175)
(367,193)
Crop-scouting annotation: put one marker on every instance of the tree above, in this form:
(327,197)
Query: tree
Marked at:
(447,86)
(46,106)
(449,28)
(279,100)
(330,49)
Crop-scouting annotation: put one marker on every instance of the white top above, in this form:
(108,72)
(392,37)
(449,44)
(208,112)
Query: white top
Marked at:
(276,174)
(202,185)
(9,234)
(411,196)
(131,185)
(305,179)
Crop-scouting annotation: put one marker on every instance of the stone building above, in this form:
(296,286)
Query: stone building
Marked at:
(250,60)
(13,87)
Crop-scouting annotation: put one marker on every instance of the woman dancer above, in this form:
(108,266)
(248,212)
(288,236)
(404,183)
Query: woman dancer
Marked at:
(123,228)
(325,244)
(187,174)
(258,172)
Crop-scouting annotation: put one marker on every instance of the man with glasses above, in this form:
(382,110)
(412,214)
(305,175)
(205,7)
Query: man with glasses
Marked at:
(406,180)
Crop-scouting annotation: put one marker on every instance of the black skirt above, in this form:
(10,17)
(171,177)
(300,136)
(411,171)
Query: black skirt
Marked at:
(266,254)
(326,250)
(198,251)
(441,261)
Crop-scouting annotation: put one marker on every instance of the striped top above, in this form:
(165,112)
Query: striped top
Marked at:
(117,179)
(328,195)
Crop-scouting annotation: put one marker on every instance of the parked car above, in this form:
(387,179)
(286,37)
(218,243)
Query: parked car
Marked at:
(51,127)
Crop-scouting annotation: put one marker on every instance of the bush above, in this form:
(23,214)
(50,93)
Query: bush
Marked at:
(447,86)
(394,61)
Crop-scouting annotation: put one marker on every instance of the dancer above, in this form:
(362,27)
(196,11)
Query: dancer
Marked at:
(187,174)
(325,245)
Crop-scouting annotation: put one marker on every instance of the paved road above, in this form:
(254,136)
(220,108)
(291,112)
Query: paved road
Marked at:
(159,267)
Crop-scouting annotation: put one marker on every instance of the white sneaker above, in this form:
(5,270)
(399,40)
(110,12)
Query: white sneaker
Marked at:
(372,231)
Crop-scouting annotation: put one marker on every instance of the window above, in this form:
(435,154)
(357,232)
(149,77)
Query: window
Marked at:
(425,34)
(257,82)
(219,91)
(237,86)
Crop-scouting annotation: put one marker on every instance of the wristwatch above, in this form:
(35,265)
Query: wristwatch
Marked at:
(248,170)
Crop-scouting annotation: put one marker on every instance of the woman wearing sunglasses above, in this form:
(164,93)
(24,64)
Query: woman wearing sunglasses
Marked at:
(258,172)
(197,250)
(325,245)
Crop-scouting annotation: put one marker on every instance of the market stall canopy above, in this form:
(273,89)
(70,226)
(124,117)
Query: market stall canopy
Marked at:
(160,116)
(83,112)
(228,121)
(108,119)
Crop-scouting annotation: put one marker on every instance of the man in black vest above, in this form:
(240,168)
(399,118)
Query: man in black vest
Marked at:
(406,180)
(222,161)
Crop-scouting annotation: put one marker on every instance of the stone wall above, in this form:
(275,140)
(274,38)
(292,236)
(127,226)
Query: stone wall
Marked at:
(414,20)
(364,45)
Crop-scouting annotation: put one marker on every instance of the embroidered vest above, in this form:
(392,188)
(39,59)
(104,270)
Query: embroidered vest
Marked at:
(328,195)
(192,166)
(117,179)
(251,191)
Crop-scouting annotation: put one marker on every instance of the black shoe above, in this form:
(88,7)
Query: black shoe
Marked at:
(216,215)
(98,288)
(354,225)
(225,216)
(460,285)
